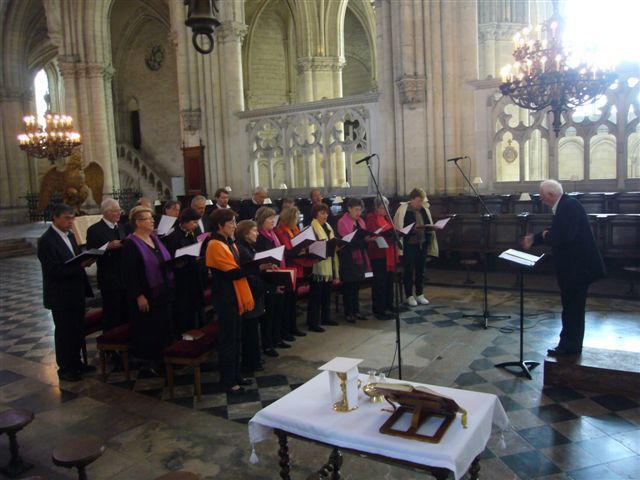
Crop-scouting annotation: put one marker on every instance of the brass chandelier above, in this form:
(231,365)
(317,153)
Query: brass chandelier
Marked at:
(55,140)
(541,76)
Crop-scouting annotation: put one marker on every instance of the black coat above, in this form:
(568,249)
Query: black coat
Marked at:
(190,274)
(63,286)
(575,253)
(248,209)
(110,275)
(258,286)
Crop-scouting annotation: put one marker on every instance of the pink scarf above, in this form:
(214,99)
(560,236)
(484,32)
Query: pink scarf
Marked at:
(271,235)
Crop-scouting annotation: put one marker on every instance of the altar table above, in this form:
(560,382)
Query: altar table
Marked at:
(307,413)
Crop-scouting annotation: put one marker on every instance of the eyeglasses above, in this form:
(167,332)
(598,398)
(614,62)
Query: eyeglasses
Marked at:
(144,219)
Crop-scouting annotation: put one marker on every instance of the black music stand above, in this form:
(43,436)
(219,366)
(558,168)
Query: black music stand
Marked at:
(524,261)
(486,217)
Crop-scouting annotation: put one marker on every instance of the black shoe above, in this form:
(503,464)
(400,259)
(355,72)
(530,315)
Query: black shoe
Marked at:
(316,329)
(332,323)
(270,352)
(359,316)
(70,376)
(259,368)
(384,316)
(245,382)
(299,333)
(84,368)
(237,390)
(283,345)
(289,338)
(562,352)
(350,319)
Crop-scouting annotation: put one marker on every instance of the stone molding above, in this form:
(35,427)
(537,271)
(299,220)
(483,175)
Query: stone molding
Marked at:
(85,70)
(9,94)
(191,119)
(498,31)
(320,64)
(231,31)
(412,89)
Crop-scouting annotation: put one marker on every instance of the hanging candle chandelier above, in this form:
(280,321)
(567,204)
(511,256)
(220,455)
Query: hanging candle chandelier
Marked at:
(55,140)
(542,77)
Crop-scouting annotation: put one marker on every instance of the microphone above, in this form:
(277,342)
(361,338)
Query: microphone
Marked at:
(367,158)
(455,159)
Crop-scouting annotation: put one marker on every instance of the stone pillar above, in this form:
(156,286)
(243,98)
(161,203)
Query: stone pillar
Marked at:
(230,36)
(319,77)
(87,88)
(15,169)
(498,22)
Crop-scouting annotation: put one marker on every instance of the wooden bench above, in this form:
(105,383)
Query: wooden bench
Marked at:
(117,339)
(193,353)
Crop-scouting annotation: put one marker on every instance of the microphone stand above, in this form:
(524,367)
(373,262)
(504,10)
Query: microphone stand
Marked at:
(396,238)
(486,217)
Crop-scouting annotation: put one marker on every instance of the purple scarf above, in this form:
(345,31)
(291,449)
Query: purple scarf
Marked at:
(154,272)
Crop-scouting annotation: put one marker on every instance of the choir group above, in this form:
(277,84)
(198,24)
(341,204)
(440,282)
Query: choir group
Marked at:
(154,274)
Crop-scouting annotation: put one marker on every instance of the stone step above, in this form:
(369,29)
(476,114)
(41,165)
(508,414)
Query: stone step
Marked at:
(15,248)
(596,370)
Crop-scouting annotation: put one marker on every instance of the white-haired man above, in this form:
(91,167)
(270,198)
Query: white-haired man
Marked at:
(576,258)
(248,208)
(110,277)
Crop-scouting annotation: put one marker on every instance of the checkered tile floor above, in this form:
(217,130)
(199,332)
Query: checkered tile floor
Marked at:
(555,432)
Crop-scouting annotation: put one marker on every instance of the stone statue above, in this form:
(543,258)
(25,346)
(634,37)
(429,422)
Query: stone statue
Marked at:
(73,182)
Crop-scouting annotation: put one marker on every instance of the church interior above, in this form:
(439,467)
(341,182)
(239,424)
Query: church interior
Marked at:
(297,95)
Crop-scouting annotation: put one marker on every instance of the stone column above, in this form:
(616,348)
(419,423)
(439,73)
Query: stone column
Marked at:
(15,178)
(230,36)
(498,22)
(319,77)
(87,88)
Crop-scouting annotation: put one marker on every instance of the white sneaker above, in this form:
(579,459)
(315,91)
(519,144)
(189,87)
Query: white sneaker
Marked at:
(422,301)
(411,301)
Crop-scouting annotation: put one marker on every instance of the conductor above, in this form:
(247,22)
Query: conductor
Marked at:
(576,258)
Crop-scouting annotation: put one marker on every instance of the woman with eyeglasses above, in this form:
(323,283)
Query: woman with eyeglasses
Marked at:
(232,297)
(150,284)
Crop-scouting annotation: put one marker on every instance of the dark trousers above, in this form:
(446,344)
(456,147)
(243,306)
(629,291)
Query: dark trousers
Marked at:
(413,261)
(250,343)
(115,309)
(271,321)
(350,295)
(288,325)
(574,299)
(319,305)
(382,288)
(229,345)
(68,336)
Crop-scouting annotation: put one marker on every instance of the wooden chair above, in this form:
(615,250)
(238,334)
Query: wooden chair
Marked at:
(115,340)
(78,453)
(11,422)
(193,353)
(92,324)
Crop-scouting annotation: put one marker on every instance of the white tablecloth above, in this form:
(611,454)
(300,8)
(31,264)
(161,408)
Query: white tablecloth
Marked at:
(307,412)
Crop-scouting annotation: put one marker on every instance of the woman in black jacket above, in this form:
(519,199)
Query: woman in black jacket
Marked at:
(271,322)
(246,236)
(188,307)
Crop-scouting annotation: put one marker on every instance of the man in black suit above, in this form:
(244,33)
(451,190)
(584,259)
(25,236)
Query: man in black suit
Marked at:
(222,199)
(64,289)
(110,278)
(248,208)
(576,258)
(199,204)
